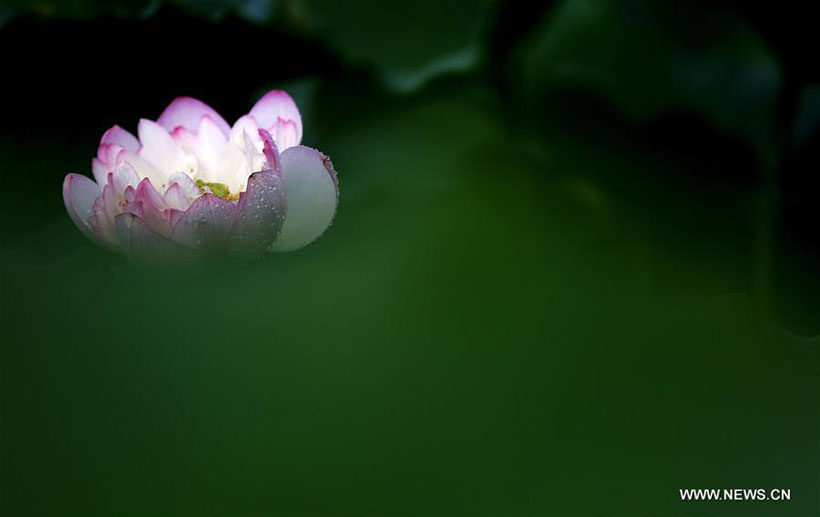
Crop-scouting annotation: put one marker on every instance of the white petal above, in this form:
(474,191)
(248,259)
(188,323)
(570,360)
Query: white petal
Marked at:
(123,176)
(311,197)
(186,183)
(144,169)
(208,145)
(245,125)
(286,134)
(161,150)
(176,198)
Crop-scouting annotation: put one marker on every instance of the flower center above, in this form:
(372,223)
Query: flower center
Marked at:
(217,189)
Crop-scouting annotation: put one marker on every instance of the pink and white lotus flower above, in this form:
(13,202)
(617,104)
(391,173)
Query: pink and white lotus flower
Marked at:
(191,185)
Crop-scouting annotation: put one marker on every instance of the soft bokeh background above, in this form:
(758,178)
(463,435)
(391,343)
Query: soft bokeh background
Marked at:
(574,268)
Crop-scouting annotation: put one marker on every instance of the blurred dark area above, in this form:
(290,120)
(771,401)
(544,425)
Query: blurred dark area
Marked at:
(557,184)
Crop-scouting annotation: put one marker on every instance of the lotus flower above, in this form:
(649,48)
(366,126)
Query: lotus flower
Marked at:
(192,185)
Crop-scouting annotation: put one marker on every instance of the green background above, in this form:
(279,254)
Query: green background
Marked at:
(529,302)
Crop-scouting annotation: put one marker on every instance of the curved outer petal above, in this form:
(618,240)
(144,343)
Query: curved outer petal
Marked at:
(141,245)
(276,106)
(79,194)
(118,136)
(205,225)
(187,112)
(312,195)
(260,214)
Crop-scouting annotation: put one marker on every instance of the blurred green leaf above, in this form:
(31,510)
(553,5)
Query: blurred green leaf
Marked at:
(406,42)
(652,58)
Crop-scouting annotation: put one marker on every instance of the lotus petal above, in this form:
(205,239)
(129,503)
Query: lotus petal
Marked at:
(79,194)
(260,214)
(205,225)
(276,106)
(187,112)
(311,192)
(141,245)
(118,136)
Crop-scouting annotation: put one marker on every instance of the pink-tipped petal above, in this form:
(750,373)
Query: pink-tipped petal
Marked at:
(311,192)
(130,194)
(79,194)
(260,214)
(118,136)
(270,151)
(110,154)
(151,208)
(286,134)
(143,246)
(148,193)
(204,226)
(276,105)
(187,112)
(184,138)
